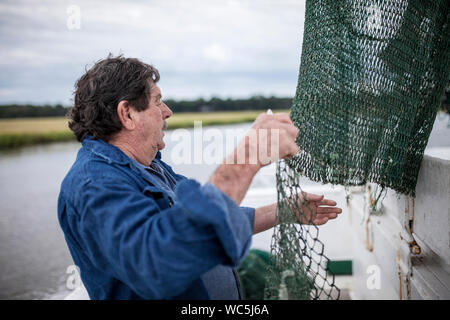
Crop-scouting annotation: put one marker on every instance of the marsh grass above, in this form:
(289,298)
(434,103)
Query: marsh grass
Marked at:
(16,133)
(15,140)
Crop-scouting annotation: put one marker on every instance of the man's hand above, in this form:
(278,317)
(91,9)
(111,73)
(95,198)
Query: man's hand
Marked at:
(310,209)
(270,138)
(313,208)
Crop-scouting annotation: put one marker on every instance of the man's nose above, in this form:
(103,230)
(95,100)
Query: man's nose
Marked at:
(167,112)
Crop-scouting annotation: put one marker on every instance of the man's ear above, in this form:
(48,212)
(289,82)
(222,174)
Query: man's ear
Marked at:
(126,115)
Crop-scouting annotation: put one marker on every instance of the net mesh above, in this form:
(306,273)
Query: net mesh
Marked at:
(299,266)
(371,77)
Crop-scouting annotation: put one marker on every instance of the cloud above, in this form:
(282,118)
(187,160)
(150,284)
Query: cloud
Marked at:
(215,52)
(202,48)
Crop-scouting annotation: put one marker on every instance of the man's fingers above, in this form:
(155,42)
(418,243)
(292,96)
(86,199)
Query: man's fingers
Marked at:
(290,149)
(293,150)
(330,215)
(323,210)
(312,197)
(327,202)
(323,218)
(283,117)
(290,129)
(320,221)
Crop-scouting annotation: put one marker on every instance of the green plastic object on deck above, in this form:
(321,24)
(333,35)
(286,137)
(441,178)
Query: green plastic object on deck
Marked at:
(253,271)
(340,267)
(371,78)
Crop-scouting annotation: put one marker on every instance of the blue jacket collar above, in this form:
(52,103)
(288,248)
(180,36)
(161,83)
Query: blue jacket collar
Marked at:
(107,151)
(104,150)
(112,154)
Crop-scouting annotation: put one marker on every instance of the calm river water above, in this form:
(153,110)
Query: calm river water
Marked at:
(33,253)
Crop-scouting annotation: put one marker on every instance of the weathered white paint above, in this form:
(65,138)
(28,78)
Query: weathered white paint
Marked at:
(407,238)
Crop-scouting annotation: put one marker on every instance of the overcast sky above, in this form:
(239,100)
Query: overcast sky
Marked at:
(202,48)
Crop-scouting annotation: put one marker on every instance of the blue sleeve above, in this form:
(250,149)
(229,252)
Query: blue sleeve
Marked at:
(159,253)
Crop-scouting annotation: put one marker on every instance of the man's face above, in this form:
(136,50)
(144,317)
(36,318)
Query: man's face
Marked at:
(152,121)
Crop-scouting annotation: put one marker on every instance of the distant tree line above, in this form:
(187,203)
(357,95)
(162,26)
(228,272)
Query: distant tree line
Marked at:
(217,104)
(199,105)
(33,111)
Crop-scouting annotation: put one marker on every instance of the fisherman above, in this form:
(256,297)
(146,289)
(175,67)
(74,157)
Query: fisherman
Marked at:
(134,227)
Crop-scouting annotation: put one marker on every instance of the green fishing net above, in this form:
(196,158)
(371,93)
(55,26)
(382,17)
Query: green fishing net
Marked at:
(371,78)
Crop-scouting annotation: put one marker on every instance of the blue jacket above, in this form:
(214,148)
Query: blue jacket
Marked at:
(133,239)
